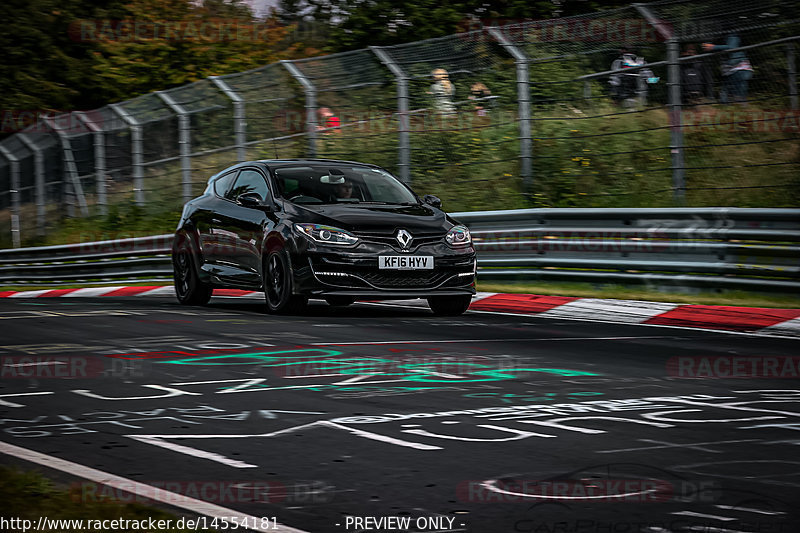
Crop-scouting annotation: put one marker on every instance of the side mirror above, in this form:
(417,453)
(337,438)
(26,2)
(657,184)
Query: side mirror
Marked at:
(432,200)
(250,199)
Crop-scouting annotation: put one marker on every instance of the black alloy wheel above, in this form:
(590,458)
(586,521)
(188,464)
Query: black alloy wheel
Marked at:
(278,285)
(188,287)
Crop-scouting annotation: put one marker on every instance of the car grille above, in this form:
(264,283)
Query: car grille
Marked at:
(419,239)
(359,277)
(404,279)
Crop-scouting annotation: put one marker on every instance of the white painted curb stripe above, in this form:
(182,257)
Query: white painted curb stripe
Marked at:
(90,291)
(29,294)
(789,327)
(159,291)
(141,489)
(626,311)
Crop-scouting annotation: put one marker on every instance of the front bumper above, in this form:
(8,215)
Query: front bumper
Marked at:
(320,271)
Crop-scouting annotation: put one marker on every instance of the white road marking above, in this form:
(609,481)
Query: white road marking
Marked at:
(691,445)
(529,339)
(148,491)
(194,452)
(748,510)
(12,404)
(490,485)
(701,515)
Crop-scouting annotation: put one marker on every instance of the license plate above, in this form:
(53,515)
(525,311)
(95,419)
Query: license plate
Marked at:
(405,262)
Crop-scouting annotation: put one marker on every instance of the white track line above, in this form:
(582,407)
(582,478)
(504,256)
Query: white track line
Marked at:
(141,489)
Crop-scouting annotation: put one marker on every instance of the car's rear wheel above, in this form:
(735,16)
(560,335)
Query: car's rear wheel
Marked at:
(339,301)
(449,305)
(278,285)
(188,287)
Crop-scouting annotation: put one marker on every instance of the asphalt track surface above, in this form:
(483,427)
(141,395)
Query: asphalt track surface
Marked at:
(481,423)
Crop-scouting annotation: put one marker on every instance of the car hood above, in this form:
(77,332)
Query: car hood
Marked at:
(377,218)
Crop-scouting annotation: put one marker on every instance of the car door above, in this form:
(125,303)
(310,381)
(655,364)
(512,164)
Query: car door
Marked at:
(209,222)
(249,225)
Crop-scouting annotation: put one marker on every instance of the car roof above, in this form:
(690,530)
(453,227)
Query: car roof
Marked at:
(278,163)
(281,163)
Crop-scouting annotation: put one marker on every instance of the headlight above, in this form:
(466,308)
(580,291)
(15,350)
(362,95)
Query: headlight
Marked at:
(326,234)
(458,236)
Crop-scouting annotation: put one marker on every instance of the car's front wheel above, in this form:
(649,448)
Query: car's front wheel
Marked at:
(278,285)
(449,305)
(188,287)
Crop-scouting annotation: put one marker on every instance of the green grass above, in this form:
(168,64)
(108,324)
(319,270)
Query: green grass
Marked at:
(588,290)
(29,495)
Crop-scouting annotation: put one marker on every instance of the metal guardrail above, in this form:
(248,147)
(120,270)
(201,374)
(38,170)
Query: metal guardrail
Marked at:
(710,248)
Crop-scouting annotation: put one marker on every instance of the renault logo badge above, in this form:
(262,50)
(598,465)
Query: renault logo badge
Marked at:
(404,238)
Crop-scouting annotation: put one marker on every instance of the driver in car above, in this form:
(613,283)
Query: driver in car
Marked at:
(344,190)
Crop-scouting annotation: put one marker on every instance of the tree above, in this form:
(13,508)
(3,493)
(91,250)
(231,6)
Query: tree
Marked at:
(179,42)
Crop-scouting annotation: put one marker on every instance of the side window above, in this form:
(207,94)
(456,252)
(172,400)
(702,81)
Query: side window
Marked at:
(249,181)
(223,184)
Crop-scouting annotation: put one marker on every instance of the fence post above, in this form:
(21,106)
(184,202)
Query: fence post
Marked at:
(311,105)
(99,161)
(137,156)
(673,102)
(14,162)
(38,161)
(792,73)
(184,143)
(239,124)
(403,126)
(70,168)
(675,122)
(524,103)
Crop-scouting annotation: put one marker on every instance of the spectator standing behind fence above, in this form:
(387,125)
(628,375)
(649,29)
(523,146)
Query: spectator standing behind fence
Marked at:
(628,87)
(442,91)
(736,70)
(480,92)
(697,83)
(328,120)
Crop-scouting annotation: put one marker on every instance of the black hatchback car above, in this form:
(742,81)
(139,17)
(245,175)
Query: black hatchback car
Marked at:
(327,229)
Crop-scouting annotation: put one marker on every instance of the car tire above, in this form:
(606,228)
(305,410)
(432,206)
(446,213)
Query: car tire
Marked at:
(277,274)
(449,305)
(339,301)
(189,289)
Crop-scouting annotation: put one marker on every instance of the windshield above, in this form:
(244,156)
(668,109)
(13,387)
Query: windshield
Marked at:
(340,184)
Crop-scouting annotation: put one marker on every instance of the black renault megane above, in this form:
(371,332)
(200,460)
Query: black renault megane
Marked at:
(326,229)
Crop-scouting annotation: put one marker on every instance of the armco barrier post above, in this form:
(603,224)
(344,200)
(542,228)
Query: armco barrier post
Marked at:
(14,162)
(38,170)
(403,126)
(524,103)
(311,105)
(239,124)
(137,155)
(184,143)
